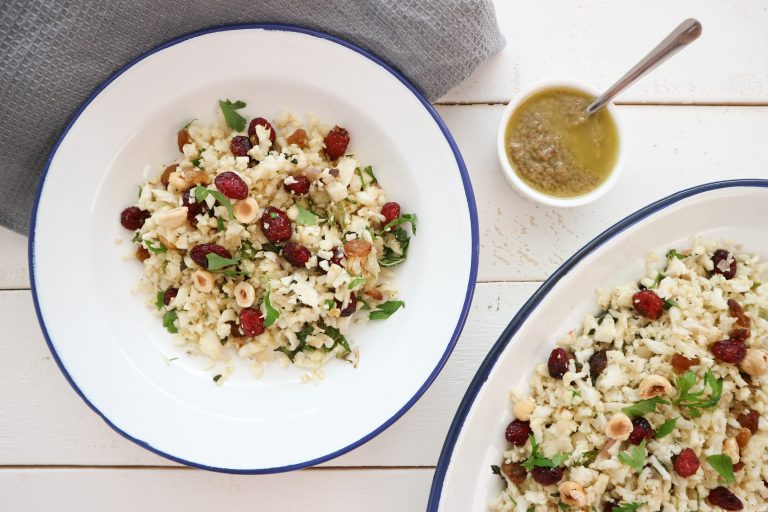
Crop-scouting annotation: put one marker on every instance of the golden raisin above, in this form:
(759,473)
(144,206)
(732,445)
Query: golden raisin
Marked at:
(299,137)
(357,248)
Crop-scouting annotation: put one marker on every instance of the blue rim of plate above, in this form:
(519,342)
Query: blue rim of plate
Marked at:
(470,204)
(522,315)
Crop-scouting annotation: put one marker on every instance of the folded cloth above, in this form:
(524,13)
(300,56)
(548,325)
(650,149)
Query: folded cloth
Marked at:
(53,54)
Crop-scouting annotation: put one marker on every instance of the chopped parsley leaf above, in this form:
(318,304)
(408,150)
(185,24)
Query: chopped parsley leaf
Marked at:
(159,249)
(635,457)
(168,321)
(160,301)
(643,407)
(305,217)
(231,116)
(723,464)
(385,309)
(272,313)
(536,459)
(692,401)
(665,428)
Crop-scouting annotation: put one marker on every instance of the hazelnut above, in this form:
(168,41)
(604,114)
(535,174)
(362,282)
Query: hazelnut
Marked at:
(177,181)
(173,218)
(572,494)
(755,363)
(524,408)
(245,294)
(619,427)
(731,449)
(203,280)
(743,435)
(246,210)
(654,385)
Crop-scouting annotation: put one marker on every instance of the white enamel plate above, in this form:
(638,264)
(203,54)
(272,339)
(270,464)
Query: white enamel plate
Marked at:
(732,210)
(114,350)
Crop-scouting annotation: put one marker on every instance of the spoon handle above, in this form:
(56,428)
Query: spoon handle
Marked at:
(687,32)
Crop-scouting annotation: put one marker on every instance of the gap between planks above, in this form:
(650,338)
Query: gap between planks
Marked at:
(621,103)
(187,468)
(509,281)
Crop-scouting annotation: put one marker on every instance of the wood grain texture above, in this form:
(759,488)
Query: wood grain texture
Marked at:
(668,149)
(128,490)
(43,421)
(595,42)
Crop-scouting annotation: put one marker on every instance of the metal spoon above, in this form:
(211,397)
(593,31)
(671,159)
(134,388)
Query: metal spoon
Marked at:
(686,33)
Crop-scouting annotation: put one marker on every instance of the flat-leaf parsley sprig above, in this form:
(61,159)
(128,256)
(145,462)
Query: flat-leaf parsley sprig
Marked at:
(692,402)
(538,460)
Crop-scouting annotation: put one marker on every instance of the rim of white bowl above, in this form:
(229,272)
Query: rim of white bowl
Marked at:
(528,191)
(490,360)
(471,205)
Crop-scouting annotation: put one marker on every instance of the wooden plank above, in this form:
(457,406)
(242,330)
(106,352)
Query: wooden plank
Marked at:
(126,490)
(668,149)
(595,42)
(43,422)
(13,255)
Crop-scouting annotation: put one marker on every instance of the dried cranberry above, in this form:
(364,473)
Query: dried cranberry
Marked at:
(390,211)
(681,364)
(351,306)
(641,429)
(296,254)
(722,266)
(729,351)
(199,253)
(749,419)
(547,476)
(725,499)
(276,225)
(299,187)
(686,463)
(133,217)
(597,363)
(235,330)
(338,254)
(648,304)
(517,432)
(193,208)
(251,322)
(514,471)
(169,295)
(260,121)
(336,142)
(240,145)
(610,506)
(558,363)
(231,185)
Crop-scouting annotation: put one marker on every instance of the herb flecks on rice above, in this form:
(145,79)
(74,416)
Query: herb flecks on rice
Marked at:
(659,402)
(267,239)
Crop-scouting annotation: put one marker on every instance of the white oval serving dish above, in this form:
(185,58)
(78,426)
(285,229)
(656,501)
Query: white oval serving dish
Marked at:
(734,210)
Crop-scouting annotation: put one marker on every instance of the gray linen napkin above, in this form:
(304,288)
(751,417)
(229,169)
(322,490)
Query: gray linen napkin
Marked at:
(53,54)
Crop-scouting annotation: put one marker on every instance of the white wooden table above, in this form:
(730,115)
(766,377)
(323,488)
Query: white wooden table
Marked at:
(701,117)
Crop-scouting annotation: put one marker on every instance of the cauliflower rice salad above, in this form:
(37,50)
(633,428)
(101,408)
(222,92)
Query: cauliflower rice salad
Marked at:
(270,240)
(658,403)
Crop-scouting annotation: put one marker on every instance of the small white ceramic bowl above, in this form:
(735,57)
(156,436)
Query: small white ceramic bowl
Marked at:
(530,192)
